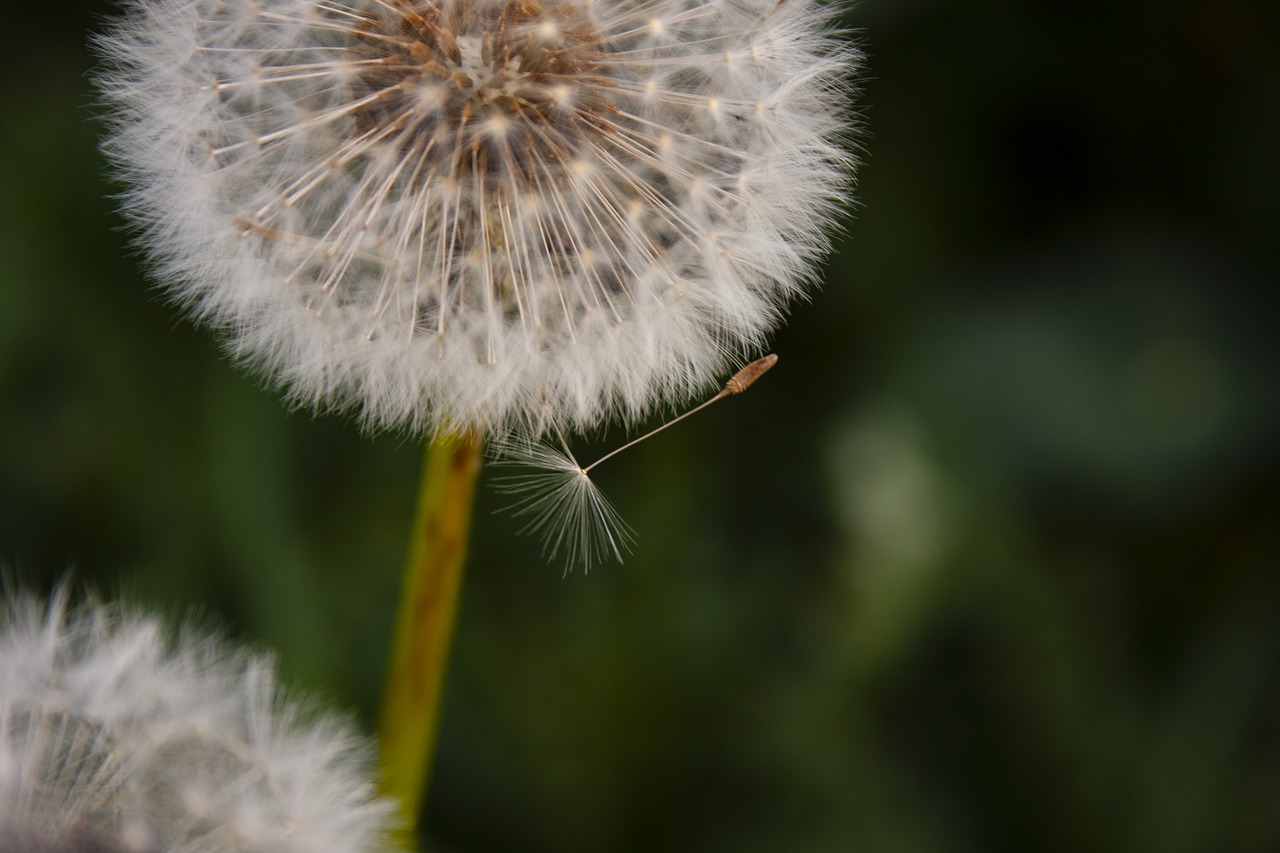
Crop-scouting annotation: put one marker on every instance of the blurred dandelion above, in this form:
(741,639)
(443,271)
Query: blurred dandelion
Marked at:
(477,215)
(114,740)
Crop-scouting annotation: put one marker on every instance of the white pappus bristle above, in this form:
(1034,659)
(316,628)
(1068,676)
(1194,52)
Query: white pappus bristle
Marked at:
(562,506)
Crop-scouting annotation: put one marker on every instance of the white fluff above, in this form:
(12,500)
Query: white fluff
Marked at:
(562,506)
(113,739)
(482,214)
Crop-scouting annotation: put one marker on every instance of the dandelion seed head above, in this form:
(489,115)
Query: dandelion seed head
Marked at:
(115,740)
(482,214)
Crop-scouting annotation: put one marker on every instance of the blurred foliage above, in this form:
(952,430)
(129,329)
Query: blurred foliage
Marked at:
(988,563)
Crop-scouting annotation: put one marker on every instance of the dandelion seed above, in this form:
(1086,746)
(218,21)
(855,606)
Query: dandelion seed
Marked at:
(483,215)
(114,740)
(566,509)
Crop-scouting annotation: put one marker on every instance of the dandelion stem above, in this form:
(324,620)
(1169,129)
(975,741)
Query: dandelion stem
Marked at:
(424,626)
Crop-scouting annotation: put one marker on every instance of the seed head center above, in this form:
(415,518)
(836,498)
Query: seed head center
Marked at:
(483,86)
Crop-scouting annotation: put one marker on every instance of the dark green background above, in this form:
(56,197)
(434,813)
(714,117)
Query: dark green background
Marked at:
(989,562)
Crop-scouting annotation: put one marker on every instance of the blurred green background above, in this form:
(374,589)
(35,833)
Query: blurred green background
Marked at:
(990,562)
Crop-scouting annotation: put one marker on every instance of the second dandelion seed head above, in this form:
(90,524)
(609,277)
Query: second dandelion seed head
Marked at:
(116,737)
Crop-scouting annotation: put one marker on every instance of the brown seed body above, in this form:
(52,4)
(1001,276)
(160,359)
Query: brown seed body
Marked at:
(742,380)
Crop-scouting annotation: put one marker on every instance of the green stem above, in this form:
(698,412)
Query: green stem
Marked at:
(424,625)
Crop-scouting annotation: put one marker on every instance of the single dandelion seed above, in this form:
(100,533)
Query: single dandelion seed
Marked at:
(565,508)
(483,215)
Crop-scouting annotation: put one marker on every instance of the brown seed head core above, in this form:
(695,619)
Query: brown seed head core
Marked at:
(500,88)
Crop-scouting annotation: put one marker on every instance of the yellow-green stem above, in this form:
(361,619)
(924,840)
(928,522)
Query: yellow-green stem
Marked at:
(424,625)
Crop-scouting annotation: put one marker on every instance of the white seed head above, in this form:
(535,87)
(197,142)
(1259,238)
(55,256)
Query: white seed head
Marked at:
(113,739)
(483,214)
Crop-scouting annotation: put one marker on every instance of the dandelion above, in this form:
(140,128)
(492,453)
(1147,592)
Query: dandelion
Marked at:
(478,218)
(480,215)
(114,740)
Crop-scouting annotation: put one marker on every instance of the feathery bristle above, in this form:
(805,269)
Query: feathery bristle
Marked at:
(563,506)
